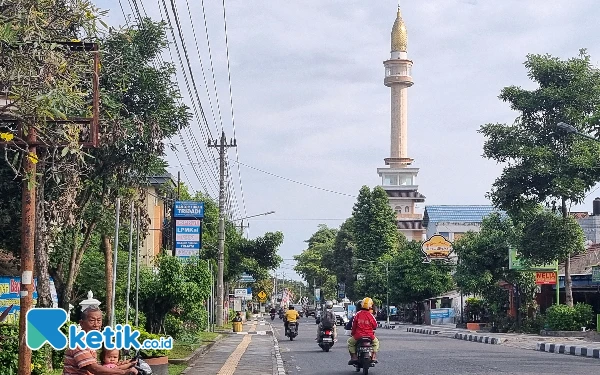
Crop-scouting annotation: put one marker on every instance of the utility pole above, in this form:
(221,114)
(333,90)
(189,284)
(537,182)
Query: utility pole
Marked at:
(27,248)
(221,257)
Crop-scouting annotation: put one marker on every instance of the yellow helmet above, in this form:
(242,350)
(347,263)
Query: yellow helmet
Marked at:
(367,303)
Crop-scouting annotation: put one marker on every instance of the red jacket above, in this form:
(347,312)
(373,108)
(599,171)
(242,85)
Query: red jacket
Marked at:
(363,325)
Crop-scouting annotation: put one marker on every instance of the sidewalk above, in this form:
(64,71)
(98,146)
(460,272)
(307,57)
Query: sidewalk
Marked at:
(253,351)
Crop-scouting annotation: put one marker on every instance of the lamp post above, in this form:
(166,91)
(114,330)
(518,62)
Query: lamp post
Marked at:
(387,285)
(570,129)
(90,301)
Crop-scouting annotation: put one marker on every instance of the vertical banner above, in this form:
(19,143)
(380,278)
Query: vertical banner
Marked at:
(318,294)
(188,228)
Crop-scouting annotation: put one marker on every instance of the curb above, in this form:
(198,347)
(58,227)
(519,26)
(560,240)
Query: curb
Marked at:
(196,354)
(278,366)
(582,351)
(478,338)
(422,330)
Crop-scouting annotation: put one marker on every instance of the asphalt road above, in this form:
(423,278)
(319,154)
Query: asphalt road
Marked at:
(410,353)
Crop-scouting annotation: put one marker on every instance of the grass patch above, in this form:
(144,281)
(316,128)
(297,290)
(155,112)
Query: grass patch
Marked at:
(176,369)
(183,349)
(56,372)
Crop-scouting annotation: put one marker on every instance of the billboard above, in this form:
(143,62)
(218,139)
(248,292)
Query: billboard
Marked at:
(186,209)
(10,288)
(436,248)
(514,263)
(188,238)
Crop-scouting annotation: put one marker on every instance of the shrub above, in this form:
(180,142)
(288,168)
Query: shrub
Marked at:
(173,326)
(565,318)
(474,309)
(9,352)
(534,325)
(150,353)
(584,315)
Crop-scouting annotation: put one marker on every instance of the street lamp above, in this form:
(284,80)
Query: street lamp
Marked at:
(570,129)
(387,285)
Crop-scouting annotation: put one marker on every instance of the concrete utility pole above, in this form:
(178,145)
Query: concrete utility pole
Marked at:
(221,256)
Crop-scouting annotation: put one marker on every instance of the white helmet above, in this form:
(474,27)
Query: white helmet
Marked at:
(329,305)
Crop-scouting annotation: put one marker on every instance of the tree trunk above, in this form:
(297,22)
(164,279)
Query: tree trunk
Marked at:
(568,281)
(41,245)
(108,273)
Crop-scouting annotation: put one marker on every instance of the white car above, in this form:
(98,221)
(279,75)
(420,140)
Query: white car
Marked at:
(340,314)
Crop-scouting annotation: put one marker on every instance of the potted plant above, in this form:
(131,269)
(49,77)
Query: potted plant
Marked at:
(157,359)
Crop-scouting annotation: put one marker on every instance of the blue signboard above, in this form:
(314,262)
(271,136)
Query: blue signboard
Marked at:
(10,288)
(442,313)
(188,209)
(188,238)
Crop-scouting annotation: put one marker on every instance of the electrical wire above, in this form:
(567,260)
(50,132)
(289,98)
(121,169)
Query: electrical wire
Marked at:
(231,103)
(294,181)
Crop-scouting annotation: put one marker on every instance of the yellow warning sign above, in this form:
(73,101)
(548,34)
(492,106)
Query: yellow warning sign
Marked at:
(262,295)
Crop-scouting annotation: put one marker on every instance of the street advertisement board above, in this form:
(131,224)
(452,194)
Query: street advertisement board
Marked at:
(437,248)
(185,209)
(545,278)
(10,288)
(596,274)
(188,238)
(514,263)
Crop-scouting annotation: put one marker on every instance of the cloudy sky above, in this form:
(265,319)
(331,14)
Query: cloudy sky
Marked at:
(310,104)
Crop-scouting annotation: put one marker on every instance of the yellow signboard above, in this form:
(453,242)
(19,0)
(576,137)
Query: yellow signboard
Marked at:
(262,295)
(437,248)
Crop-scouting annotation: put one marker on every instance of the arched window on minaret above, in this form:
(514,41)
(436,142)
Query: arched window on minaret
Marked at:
(398,209)
(406,209)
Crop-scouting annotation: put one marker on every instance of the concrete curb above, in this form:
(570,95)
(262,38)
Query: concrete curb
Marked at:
(196,354)
(582,351)
(422,330)
(278,366)
(478,338)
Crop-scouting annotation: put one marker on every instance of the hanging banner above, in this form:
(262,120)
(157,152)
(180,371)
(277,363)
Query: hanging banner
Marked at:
(10,289)
(318,294)
(545,278)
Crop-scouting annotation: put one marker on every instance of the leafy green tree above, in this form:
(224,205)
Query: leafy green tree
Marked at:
(543,164)
(177,287)
(411,280)
(375,225)
(483,264)
(343,251)
(311,263)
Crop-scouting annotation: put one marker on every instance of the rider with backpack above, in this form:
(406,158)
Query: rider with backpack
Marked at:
(328,321)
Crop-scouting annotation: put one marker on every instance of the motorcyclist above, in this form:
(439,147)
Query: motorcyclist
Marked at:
(272,311)
(363,325)
(330,321)
(291,316)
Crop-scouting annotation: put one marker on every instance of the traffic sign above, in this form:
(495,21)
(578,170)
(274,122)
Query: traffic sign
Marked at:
(262,295)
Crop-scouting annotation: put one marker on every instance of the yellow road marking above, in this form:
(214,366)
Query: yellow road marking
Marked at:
(234,359)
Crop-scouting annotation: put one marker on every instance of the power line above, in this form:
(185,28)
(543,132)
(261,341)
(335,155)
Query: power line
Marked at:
(231,102)
(294,181)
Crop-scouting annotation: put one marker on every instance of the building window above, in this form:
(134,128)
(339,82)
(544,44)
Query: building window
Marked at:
(406,209)
(398,209)
(390,180)
(407,180)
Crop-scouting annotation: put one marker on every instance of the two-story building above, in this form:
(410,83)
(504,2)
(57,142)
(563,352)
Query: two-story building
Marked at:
(158,201)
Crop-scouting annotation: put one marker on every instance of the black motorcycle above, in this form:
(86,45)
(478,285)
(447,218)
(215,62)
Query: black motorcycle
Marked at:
(280,315)
(272,316)
(326,339)
(292,330)
(364,351)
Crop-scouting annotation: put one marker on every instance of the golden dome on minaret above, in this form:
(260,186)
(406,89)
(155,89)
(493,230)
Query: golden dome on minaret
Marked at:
(399,36)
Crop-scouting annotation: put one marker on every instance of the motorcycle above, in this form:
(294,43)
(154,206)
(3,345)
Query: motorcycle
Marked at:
(280,315)
(272,316)
(365,353)
(326,339)
(292,330)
